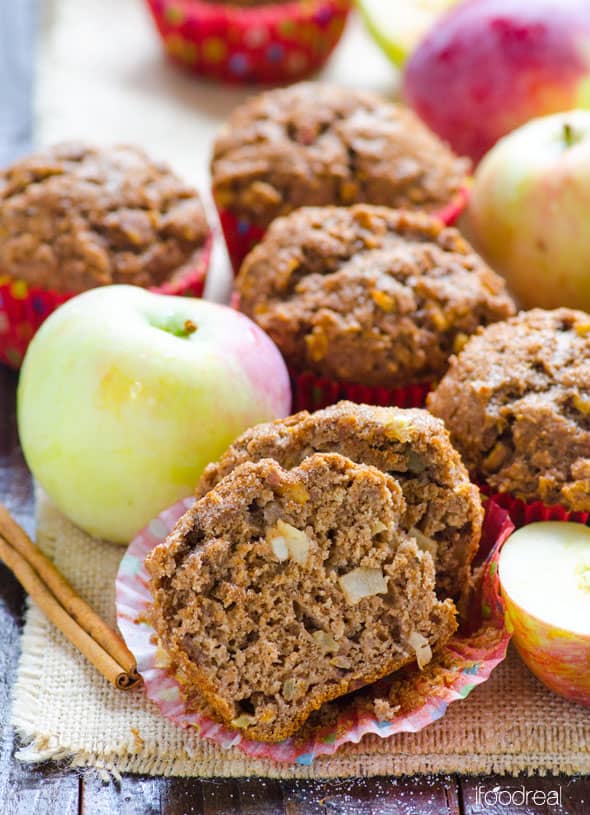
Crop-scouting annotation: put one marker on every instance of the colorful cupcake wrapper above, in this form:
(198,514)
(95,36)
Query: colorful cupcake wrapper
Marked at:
(241,236)
(414,698)
(311,392)
(274,43)
(23,309)
(523,512)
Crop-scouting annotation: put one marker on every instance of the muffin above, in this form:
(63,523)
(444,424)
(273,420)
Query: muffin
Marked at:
(320,145)
(282,589)
(367,303)
(517,404)
(73,217)
(250,41)
(442,507)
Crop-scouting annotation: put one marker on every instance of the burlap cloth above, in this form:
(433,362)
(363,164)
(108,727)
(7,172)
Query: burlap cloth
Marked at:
(64,710)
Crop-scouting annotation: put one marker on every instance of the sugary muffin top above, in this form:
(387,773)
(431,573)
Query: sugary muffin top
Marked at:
(367,294)
(314,144)
(517,404)
(73,217)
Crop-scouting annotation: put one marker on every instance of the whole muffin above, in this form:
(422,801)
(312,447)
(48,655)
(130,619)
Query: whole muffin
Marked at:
(250,41)
(517,404)
(73,217)
(282,589)
(367,295)
(442,507)
(316,145)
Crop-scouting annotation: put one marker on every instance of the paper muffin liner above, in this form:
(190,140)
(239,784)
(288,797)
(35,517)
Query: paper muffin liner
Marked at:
(407,701)
(241,236)
(522,512)
(267,44)
(24,308)
(312,392)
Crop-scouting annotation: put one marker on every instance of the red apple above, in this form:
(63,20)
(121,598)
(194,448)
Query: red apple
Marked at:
(491,65)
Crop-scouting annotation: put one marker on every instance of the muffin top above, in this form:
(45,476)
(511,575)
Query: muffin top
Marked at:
(73,217)
(367,294)
(314,145)
(517,404)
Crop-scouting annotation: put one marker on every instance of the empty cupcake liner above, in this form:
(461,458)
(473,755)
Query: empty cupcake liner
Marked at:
(408,701)
(241,236)
(24,308)
(312,392)
(523,512)
(280,42)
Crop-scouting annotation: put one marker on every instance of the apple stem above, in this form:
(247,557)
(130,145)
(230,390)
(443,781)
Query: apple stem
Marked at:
(568,134)
(189,327)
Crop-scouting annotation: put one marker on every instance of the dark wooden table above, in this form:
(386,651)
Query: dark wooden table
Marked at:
(59,791)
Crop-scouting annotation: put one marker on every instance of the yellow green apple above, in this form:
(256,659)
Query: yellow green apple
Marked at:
(544,572)
(398,25)
(529,210)
(126,395)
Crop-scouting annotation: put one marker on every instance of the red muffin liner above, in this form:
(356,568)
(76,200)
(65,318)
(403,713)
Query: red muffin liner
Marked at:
(405,702)
(311,392)
(241,236)
(23,309)
(269,44)
(522,512)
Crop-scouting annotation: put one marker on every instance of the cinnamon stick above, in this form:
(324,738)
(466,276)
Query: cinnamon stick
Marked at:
(57,598)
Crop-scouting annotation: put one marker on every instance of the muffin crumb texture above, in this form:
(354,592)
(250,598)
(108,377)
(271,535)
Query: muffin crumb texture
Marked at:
(280,590)
(442,509)
(369,295)
(73,217)
(517,404)
(315,144)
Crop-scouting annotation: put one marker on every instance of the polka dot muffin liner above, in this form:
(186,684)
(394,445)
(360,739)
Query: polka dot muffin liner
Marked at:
(268,44)
(311,392)
(522,512)
(24,308)
(407,701)
(241,236)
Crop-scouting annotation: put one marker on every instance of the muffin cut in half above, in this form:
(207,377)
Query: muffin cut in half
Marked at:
(517,404)
(442,508)
(280,590)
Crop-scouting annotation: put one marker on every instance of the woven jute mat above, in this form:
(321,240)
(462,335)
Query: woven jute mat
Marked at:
(64,710)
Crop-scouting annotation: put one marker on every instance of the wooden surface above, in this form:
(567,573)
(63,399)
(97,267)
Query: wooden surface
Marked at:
(58,791)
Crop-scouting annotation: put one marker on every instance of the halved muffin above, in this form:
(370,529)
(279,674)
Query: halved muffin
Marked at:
(280,590)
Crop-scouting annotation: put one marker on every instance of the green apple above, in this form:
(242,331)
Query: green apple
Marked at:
(530,208)
(126,395)
(544,572)
(399,25)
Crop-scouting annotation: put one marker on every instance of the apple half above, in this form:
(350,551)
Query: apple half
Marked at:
(544,572)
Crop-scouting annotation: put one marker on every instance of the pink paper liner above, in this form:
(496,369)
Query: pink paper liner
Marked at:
(23,309)
(465,661)
(523,512)
(241,236)
(312,392)
(275,43)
